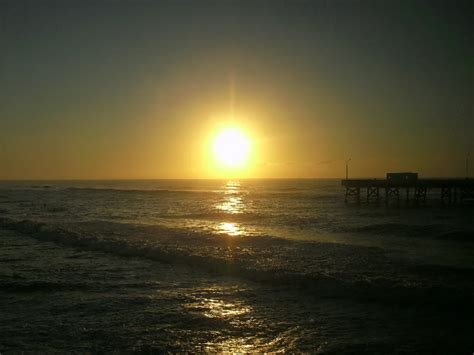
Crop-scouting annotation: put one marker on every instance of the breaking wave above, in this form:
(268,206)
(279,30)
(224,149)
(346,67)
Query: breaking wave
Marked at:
(413,230)
(395,228)
(134,190)
(362,272)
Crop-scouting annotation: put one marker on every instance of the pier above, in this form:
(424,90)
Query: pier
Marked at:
(408,187)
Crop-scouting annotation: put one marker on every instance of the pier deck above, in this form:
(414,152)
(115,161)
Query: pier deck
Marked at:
(450,190)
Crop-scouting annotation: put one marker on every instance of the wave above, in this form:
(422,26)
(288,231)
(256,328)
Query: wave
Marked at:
(26,187)
(305,194)
(280,219)
(56,209)
(17,286)
(461,236)
(220,216)
(414,230)
(331,270)
(395,228)
(132,190)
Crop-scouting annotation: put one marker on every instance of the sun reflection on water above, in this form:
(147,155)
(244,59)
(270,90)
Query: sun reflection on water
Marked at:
(232,186)
(231,203)
(230,229)
(232,311)
(219,309)
(232,346)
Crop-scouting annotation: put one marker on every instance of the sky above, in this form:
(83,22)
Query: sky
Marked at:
(137,89)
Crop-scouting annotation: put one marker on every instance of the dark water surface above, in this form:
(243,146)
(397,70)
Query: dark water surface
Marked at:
(263,265)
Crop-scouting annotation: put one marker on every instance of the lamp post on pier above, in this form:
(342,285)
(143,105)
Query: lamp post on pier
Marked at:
(467,166)
(347,168)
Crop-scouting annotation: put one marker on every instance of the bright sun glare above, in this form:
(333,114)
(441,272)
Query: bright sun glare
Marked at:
(231,148)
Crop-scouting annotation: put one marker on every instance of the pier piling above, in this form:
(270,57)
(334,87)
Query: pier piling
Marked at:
(451,191)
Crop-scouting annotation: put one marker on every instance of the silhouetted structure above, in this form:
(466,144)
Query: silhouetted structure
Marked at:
(405,177)
(451,190)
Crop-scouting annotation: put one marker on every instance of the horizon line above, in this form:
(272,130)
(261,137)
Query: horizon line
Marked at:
(209,179)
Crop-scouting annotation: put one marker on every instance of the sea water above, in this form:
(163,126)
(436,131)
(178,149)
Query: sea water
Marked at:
(241,266)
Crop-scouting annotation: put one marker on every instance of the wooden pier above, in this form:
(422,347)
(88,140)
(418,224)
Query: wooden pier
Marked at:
(409,188)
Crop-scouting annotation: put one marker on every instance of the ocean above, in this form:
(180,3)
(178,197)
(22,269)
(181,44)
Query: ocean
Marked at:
(230,266)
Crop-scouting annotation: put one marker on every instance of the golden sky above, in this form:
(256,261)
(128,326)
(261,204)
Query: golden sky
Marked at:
(139,90)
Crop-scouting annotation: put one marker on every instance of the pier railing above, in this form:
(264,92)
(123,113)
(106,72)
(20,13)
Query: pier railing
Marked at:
(449,190)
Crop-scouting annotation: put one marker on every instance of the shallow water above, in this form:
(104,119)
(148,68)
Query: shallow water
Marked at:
(264,265)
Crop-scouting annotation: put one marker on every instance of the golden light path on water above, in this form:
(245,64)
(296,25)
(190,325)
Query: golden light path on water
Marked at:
(226,306)
(220,306)
(232,204)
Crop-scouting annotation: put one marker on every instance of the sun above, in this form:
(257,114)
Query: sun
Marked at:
(231,148)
